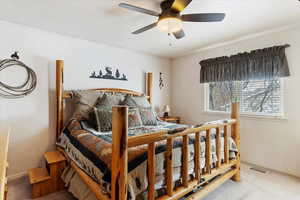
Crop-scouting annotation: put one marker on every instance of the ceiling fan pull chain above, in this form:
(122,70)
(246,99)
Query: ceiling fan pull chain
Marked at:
(170,41)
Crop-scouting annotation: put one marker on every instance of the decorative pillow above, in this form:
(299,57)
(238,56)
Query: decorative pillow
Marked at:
(108,101)
(148,117)
(88,96)
(92,120)
(104,119)
(84,102)
(136,101)
(134,118)
(105,103)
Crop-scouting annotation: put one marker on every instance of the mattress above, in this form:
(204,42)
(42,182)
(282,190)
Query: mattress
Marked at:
(91,151)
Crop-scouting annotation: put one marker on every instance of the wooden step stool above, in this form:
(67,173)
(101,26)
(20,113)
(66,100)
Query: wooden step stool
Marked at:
(41,182)
(55,164)
(46,181)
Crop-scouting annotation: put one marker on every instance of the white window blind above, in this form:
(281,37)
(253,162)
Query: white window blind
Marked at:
(255,96)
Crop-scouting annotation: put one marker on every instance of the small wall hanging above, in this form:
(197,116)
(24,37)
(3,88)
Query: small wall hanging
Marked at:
(161,82)
(22,90)
(109,74)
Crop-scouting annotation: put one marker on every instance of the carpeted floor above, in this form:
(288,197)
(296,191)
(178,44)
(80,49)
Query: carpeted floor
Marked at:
(254,186)
(20,189)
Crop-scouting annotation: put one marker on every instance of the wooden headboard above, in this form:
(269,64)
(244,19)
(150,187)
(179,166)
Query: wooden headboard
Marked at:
(61,95)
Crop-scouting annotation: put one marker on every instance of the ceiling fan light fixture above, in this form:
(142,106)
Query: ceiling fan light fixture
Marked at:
(169,24)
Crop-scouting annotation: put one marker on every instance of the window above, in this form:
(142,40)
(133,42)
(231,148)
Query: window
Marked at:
(256,97)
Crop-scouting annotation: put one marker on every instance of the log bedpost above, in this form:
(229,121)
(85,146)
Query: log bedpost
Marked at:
(235,134)
(149,86)
(59,97)
(120,153)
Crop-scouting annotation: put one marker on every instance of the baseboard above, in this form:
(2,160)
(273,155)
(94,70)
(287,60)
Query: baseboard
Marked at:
(16,176)
(270,170)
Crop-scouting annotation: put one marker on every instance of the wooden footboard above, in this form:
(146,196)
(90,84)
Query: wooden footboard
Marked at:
(226,169)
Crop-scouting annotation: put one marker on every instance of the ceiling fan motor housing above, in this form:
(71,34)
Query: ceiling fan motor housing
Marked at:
(165,5)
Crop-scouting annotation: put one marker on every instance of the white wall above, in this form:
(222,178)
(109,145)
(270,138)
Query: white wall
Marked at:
(32,118)
(269,143)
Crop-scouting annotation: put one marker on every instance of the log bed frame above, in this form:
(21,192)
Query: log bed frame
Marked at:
(228,169)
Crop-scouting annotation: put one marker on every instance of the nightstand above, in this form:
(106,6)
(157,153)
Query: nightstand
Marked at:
(171,119)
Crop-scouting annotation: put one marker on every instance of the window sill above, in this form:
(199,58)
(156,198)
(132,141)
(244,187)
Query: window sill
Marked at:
(249,116)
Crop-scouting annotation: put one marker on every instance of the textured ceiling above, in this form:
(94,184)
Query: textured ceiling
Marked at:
(104,22)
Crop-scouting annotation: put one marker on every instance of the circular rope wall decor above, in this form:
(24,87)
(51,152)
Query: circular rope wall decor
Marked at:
(23,89)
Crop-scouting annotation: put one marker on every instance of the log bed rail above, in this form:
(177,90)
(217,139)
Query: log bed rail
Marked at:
(227,168)
(206,178)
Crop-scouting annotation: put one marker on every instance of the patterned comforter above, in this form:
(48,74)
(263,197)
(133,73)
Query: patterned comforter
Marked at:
(91,151)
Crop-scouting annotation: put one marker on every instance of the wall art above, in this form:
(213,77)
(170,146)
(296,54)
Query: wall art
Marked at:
(109,74)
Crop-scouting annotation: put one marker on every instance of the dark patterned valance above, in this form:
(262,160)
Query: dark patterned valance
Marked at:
(262,64)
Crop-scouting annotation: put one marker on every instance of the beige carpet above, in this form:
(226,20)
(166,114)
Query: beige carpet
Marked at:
(254,186)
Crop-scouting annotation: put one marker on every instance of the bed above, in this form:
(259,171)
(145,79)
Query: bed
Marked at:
(163,161)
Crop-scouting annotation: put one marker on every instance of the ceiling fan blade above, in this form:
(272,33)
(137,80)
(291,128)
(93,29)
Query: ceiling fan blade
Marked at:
(139,9)
(146,28)
(179,34)
(205,17)
(180,5)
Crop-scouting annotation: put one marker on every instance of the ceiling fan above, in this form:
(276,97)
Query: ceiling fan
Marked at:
(170,20)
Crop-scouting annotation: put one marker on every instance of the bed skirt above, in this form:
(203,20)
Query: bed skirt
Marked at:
(76,186)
